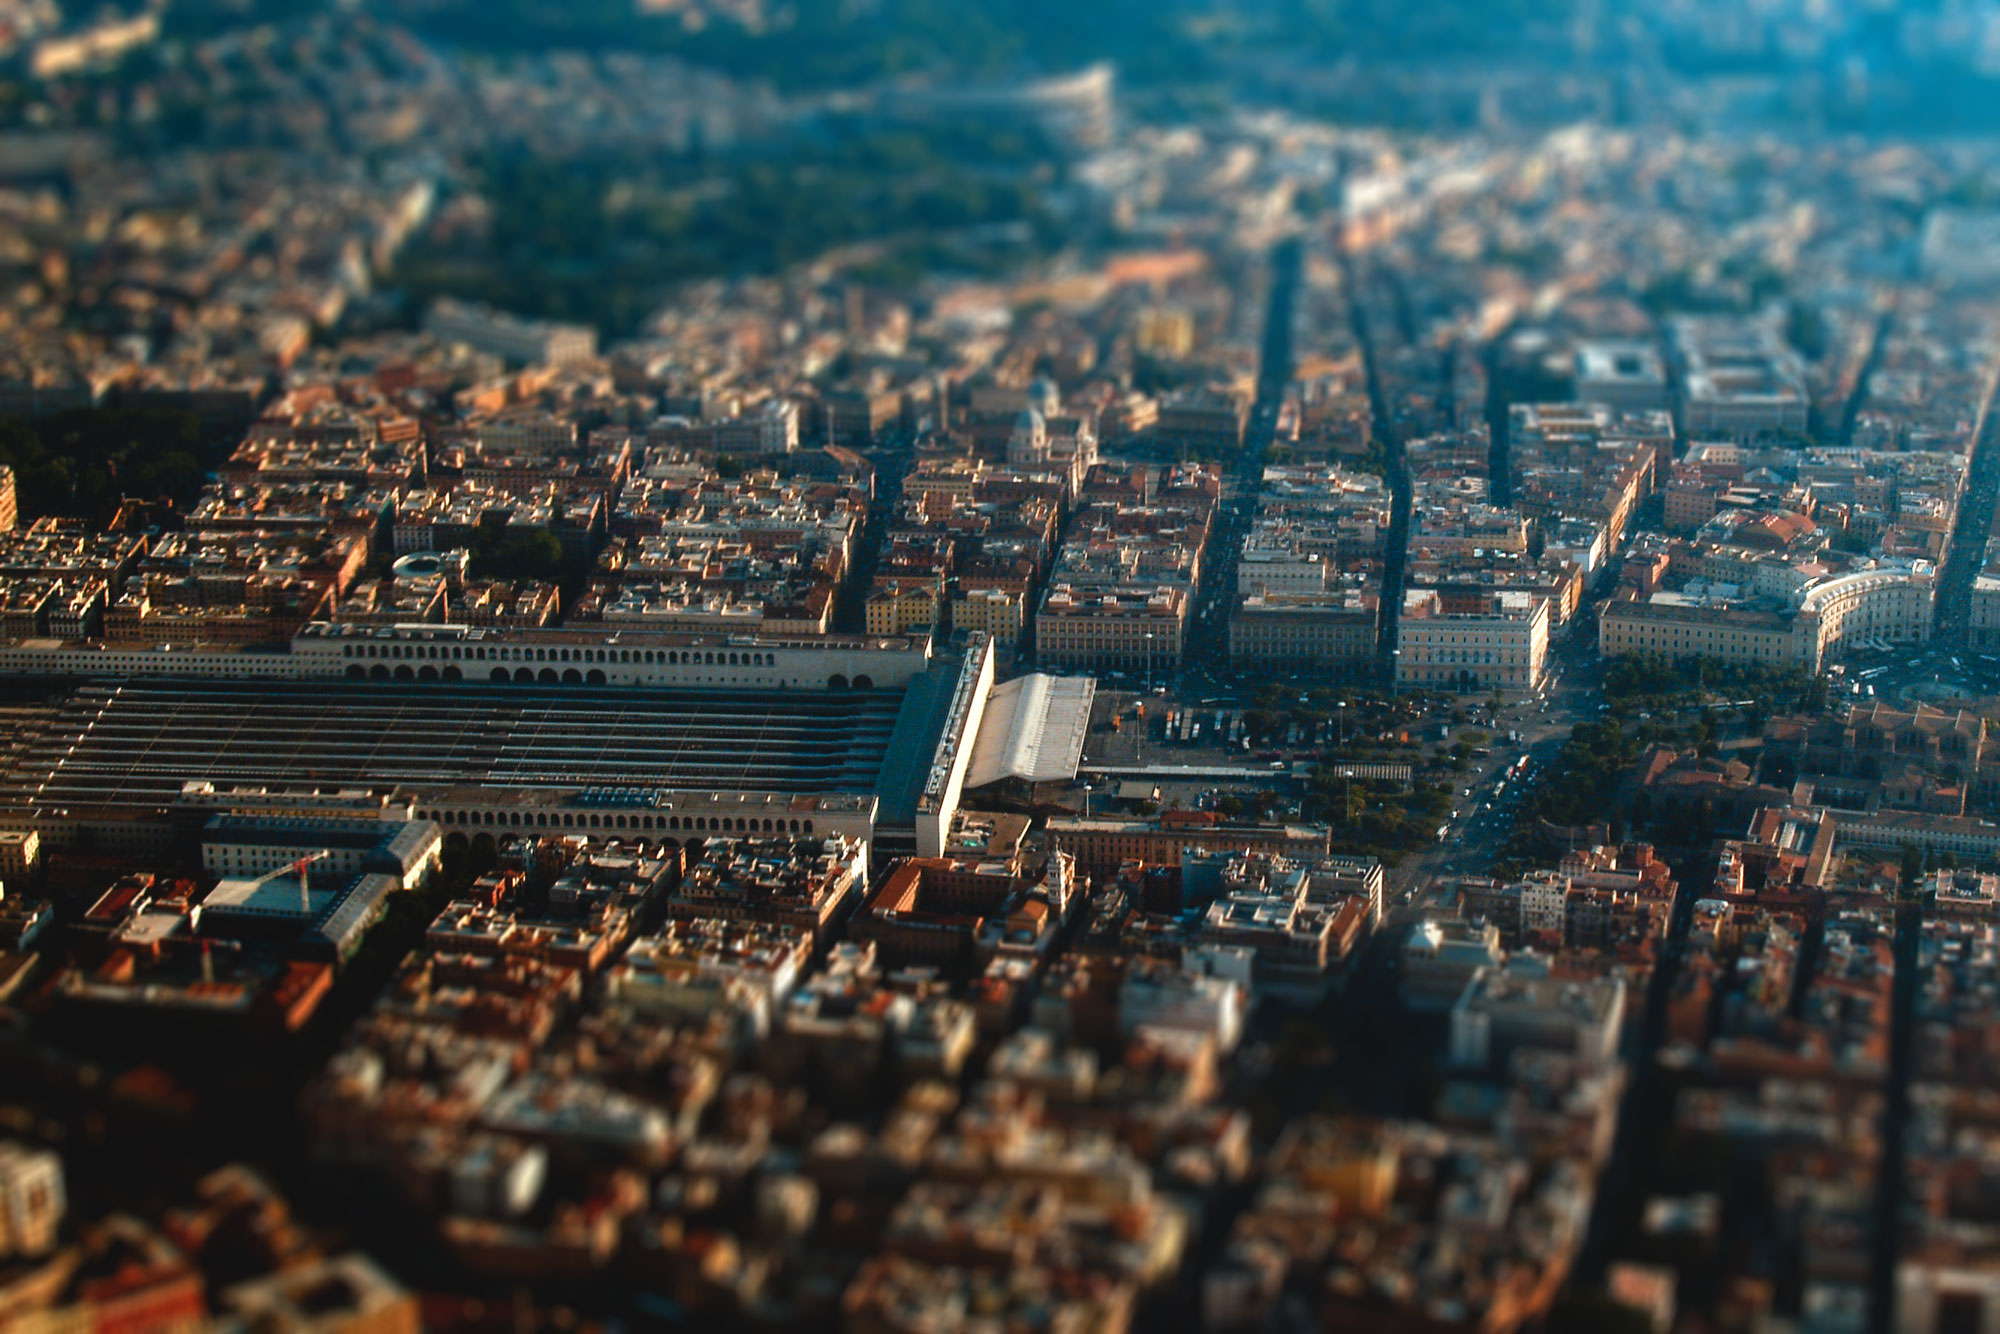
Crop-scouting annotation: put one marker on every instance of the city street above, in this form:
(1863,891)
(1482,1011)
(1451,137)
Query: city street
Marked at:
(1500,784)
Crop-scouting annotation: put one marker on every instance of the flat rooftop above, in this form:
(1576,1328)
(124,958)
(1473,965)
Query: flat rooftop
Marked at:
(135,745)
(279,896)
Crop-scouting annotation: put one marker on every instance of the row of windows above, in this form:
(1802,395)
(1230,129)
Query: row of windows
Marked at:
(1460,674)
(87,664)
(1102,658)
(262,853)
(619,820)
(1163,640)
(1418,634)
(672,657)
(545,676)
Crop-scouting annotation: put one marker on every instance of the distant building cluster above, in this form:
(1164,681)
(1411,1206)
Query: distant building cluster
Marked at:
(1308,578)
(230,1251)
(670,821)
(1788,558)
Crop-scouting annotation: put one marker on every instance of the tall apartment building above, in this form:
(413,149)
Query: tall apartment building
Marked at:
(1112,629)
(1892,605)
(1504,647)
(31,1199)
(1101,844)
(898,604)
(1000,612)
(1166,331)
(855,416)
(1207,420)
(1984,629)
(1675,625)
(10,507)
(530,342)
(772,429)
(1075,107)
(1306,631)
(1738,379)
(1622,373)
(20,856)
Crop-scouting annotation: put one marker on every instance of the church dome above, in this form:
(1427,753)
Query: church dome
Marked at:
(1044,397)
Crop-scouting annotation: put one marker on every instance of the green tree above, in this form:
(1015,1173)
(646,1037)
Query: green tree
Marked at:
(517,554)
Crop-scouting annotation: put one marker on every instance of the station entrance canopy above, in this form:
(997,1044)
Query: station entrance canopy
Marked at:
(1034,729)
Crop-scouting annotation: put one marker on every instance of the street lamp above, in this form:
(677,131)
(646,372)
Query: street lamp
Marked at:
(1149,660)
(1087,789)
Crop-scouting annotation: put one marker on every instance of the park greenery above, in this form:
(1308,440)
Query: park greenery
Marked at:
(1360,710)
(1378,818)
(1650,701)
(600,241)
(82,463)
(1578,787)
(1654,684)
(517,553)
(821,44)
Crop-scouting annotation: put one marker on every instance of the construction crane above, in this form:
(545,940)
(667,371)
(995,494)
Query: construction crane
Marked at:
(297,868)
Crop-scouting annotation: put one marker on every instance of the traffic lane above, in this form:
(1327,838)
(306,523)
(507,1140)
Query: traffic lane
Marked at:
(1485,819)
(1473,843)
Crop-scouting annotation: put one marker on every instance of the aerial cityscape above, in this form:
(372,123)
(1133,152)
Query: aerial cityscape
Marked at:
(908,667)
